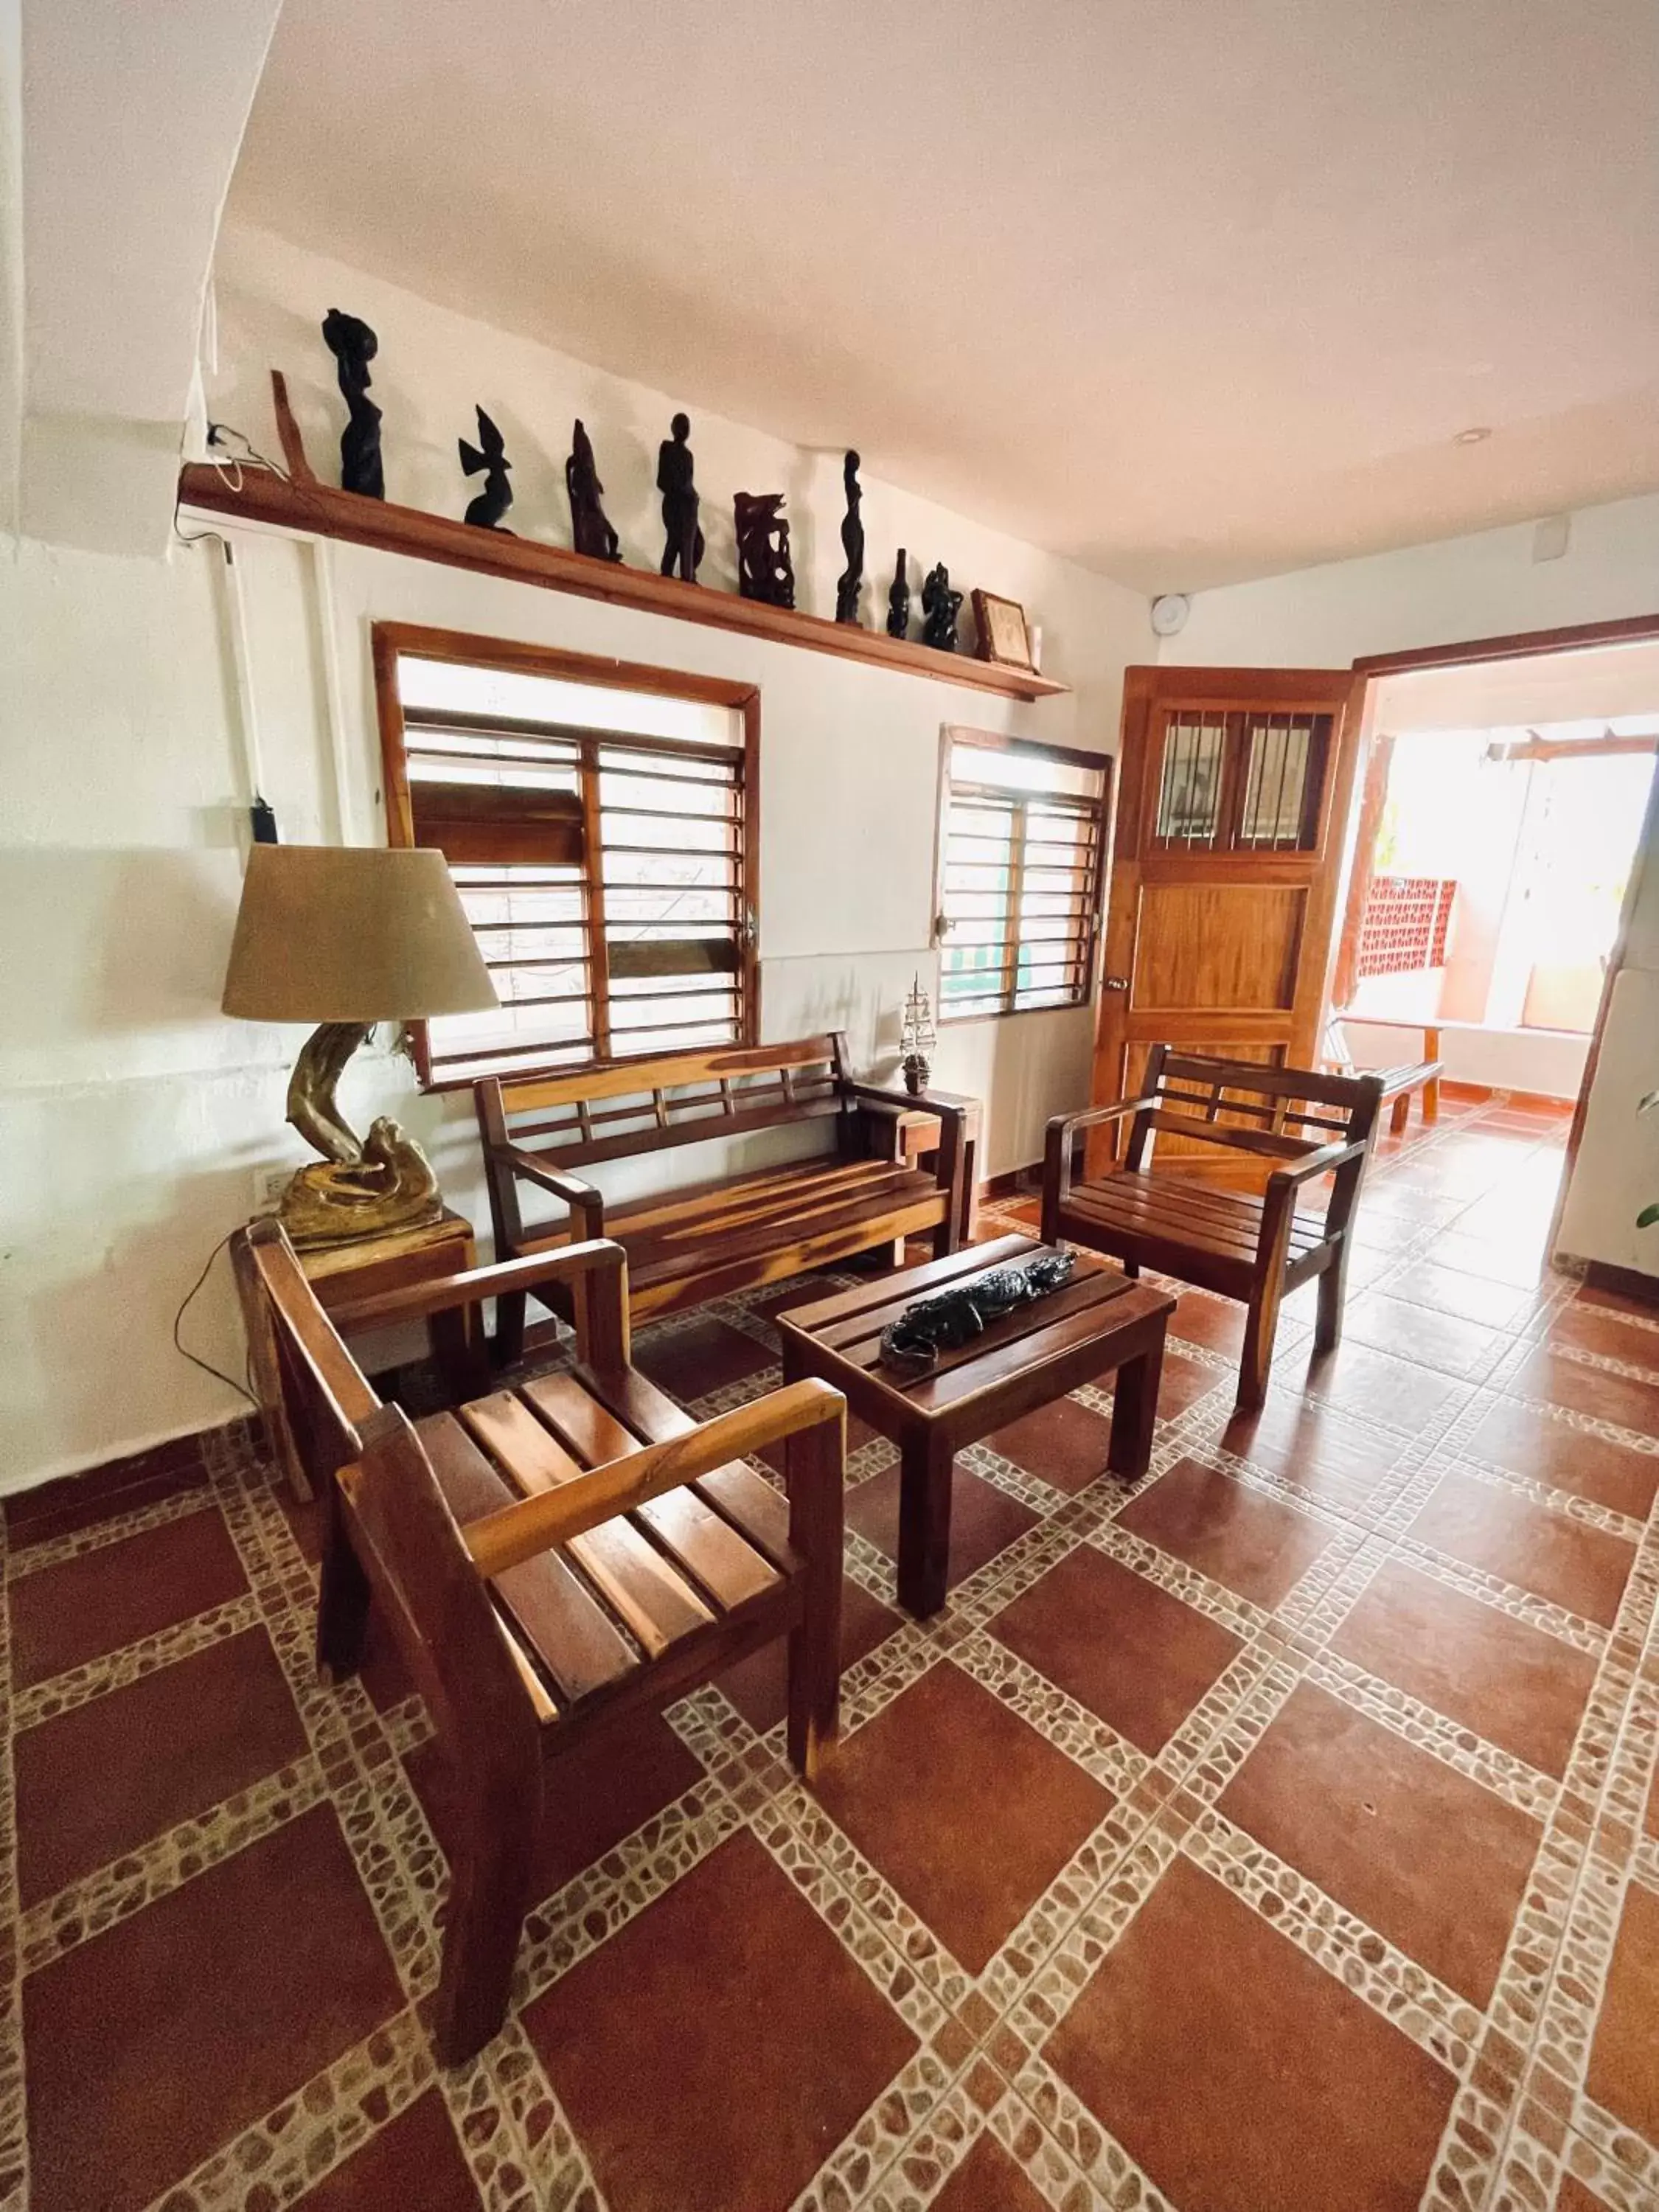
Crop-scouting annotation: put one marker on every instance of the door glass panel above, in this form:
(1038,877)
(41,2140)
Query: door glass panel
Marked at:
(1284,764)
(1190,796)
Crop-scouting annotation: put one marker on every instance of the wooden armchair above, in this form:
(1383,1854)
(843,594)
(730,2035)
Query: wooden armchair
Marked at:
(549,1558)
(1255,1249)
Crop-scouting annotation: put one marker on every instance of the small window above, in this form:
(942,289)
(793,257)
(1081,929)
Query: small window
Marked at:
(1241,781)
(600,834)
(1022,836)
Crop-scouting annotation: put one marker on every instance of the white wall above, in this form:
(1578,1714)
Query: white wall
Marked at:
(132,1114)
(1489,585)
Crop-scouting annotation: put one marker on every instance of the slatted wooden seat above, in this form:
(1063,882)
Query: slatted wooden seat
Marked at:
(706,1238)
(1399,1083)
(1253,1248)
(550,1558)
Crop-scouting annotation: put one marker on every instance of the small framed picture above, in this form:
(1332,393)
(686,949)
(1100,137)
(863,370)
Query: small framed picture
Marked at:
(1001,627)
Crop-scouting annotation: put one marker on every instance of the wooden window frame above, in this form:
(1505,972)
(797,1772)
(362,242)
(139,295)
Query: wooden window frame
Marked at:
(389,640)
(952,734)
(1229,841)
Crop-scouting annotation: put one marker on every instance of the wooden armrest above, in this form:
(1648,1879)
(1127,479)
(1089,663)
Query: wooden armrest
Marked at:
(571,1189)
(419,1301)
(517,1532)
(1060,1126)
(1318,1163)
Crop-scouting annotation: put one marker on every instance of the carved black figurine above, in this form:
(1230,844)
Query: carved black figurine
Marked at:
(940,606)
(493,501)
(354,345)
(590,527)
(764,568)
(683,549)
(948,1318)
(850,582)
(898,600)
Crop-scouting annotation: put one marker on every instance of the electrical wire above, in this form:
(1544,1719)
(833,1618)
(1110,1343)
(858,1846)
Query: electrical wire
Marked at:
(179,1346)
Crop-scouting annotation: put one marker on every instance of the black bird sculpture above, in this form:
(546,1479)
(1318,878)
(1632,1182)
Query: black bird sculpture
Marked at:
(489,454)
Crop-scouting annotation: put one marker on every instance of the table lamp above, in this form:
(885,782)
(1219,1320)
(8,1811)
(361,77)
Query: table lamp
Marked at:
(346,937)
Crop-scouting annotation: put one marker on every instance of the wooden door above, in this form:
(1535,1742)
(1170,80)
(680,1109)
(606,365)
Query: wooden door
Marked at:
(1233,788)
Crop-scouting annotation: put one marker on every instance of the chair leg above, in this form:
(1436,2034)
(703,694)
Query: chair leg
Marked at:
(342,1598)
(488,1896)
(509,1329)
(1432,1099)
(1333,1292)
(1399,1113)
(1257,1360)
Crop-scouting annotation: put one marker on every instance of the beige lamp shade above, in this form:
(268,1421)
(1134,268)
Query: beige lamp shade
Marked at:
(351,933)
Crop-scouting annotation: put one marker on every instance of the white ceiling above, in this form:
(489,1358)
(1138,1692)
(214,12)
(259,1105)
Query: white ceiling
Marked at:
(1191,293)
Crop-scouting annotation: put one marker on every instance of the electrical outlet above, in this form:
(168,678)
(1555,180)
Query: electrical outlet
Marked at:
(269,1184)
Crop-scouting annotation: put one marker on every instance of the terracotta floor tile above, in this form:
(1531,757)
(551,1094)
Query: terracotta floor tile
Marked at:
(65,1614)
(1292,2091)
(1573,2197)
(1256,1546)
(1464,1297)
(150,2046)
(1561,1382)
(1218,1323)
(1521,1266)
(984,1520)
(987,2180)
(1509,1682)
(1378,1387)
(1330,1456)
(1183,1382)
(1527,1443)
(759,1686)
(903,1787)
(704,1356)
(594,1797)
(1434,1339)
(1623,2063)
(1064,1444)
(1554,1557)
(1119,1644)
(1429,1858)
(731,1992)
(107,1776)
(803,1292)
(414,2164)
(1608,1331)
(59,1509)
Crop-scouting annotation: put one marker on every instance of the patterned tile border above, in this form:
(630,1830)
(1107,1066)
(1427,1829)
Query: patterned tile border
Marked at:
(115,1670)
(99,1535)
(13,2131)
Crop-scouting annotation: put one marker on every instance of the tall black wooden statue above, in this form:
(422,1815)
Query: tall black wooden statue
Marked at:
(354,345)
(683,549)
(898,600)
(493,501)
(765,570)
(940,605)
(850,582)
(590,527)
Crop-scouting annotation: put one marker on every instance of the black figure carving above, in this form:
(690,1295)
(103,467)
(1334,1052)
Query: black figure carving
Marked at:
(940,606)
(493,501)
(956,1316)
(764,568)
(850,582)
(590,527)
(898,600)
(354,345)
(683,549)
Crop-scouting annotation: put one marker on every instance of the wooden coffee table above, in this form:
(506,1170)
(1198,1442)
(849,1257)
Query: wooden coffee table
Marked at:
(1097,1322)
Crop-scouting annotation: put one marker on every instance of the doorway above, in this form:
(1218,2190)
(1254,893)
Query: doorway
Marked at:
(1499,822)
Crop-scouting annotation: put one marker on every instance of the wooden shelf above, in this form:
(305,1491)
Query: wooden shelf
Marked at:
(320,510)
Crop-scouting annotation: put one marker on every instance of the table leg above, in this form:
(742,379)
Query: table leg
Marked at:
(924,1545)
(1134,1411)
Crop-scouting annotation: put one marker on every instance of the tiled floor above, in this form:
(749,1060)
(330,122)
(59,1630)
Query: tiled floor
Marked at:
(1280,1832)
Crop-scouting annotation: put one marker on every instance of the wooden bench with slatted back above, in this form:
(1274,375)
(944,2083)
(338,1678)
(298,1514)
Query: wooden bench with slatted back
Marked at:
(1257,1249)
(551,1559)
(705,1239)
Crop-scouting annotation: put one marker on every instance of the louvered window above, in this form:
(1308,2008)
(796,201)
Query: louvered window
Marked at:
(599,837)
(1022,838)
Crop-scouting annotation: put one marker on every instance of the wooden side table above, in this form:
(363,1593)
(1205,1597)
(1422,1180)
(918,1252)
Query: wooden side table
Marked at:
(916,1136)
(340,1273)
(1097,1322)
